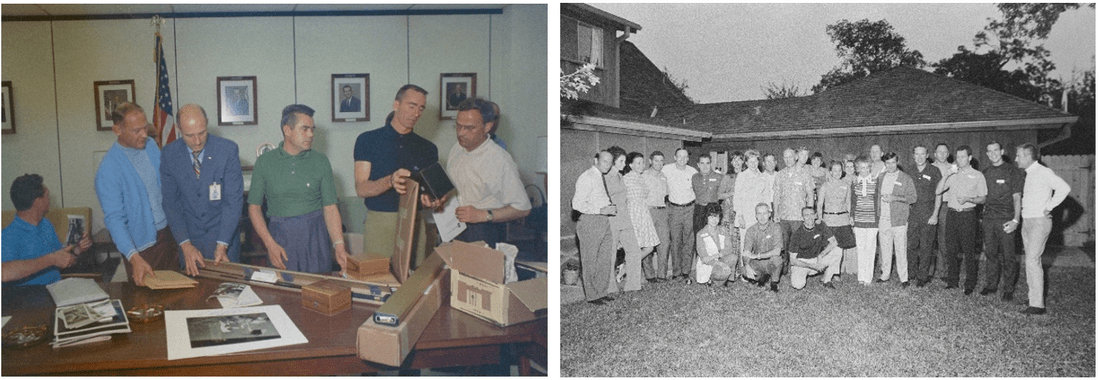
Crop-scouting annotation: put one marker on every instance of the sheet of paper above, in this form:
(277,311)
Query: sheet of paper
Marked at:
(447,222)
(195,333)
(6,319)
(265,276)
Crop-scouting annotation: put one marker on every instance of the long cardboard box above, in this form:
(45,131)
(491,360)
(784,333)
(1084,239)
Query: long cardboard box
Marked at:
(390,345)
(398,306)
(477,286)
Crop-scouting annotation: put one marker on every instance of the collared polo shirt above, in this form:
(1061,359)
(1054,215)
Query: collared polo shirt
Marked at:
(679,183)
(658,188)
(386,151)
(965,183)
(706,186)
(1002,181)
(926,181)
(793,184)
(808,243)
(293,185)
(22,241)
(759,239)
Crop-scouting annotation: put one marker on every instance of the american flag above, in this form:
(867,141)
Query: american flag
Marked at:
(162,116)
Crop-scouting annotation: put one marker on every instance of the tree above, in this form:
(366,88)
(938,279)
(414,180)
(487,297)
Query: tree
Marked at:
(987,70)
(864,48)
(781,91)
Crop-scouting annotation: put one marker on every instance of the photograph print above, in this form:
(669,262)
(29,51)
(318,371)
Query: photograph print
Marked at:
(453,89)
(236,100)
(350,97)
(108,95)
(230,329)
(7,117)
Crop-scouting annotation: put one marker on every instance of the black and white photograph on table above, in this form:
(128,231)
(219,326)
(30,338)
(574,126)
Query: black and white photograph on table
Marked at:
(772,191)
(108,95)
(7,114)
(453,89)
(230,329)
(237,100)
(207,332)
(350,97)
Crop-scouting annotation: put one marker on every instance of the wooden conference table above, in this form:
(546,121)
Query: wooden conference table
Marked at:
(452,338)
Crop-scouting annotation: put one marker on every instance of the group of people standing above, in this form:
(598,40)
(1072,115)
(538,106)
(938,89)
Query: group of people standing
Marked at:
(174,208)
(753,223)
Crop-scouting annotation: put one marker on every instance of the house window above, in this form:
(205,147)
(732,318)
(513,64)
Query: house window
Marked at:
(590,44)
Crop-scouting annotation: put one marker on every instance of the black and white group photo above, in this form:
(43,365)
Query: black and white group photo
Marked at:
(827,190)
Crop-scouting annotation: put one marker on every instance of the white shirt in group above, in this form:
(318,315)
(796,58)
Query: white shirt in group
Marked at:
(591,194)
(486,178)
(679,183)
(1042,191)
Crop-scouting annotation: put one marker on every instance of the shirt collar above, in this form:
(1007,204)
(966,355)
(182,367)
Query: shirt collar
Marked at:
(284,154)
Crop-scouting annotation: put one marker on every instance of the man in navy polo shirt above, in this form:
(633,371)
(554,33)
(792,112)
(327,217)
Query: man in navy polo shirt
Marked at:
(32,253)
(384,157)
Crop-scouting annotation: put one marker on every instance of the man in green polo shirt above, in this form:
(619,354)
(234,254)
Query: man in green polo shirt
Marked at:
(301,200)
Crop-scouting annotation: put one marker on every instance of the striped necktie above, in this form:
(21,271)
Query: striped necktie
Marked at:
(196,164)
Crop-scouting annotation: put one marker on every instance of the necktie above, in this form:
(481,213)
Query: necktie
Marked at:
(196,164)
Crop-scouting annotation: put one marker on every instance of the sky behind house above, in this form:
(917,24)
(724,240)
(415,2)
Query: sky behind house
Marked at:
(730,52)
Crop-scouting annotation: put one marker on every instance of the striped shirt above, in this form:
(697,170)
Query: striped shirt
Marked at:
(865,196)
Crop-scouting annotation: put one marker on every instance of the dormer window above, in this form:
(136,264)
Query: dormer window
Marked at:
(590,44)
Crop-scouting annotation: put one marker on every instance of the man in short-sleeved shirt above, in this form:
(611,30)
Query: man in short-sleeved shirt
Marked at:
(32,254)
(762,252)
(655,266)
(705,184)
(923,217)
(813,250)
(297,183)
(384,157)
(793,191)
(964,190)
(1000,219)
(681,200)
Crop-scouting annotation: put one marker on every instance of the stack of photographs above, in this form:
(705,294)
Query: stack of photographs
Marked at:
(89,322)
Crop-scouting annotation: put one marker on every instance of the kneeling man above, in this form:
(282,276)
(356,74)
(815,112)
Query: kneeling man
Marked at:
(717,255)
(812,251)
(762,250)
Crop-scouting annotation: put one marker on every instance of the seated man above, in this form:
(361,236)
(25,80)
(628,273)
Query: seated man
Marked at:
(32,253)
(762,254)
(717,255)
(812,251)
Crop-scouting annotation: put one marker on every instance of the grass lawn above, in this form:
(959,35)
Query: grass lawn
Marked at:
(673,329)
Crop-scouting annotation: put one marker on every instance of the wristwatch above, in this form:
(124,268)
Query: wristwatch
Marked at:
(490,216)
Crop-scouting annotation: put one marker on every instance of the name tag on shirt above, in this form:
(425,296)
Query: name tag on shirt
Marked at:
(797,183)
(897,184)
(767,237)
(215,191)
(927,177)
(713,180)
(1000,181)
(816,236)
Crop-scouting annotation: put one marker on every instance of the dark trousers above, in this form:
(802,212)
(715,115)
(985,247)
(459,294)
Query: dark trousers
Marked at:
(1001,254)
(682,249)
(164,255)
(490,233)
(961,238)
(788,228)
(939,267)
(596,255)
(699,218)
(921,239)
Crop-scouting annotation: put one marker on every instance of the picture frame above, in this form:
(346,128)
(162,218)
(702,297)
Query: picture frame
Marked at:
(7,109)
(354,105)
(453,89)
(108,95)
(237,103)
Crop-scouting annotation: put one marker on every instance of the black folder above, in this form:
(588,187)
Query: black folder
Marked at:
(433,181)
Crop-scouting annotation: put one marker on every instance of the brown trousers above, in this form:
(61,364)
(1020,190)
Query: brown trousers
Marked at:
(164,255)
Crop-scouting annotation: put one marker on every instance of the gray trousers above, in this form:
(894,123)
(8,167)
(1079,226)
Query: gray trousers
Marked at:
(656,264)
(596,255)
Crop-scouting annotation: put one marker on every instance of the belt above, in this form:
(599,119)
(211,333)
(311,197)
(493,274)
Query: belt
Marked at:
(688,204)
(658,206)
(961,210)
(835,213)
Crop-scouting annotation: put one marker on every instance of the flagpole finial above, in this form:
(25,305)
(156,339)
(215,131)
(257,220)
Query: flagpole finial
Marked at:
(157,22)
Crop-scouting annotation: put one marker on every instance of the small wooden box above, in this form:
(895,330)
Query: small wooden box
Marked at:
(326,297)
(363,266)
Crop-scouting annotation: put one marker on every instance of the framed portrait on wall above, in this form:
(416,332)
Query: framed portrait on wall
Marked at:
(108,95)
(237,100)
(453,89)
(350,97)
(7,110)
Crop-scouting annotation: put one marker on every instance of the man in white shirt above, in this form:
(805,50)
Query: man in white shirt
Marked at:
(594,230)
(1042,191)
(655,266)
(681,199)
(490,192)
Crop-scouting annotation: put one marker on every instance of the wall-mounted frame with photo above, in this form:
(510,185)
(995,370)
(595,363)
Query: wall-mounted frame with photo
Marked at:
(453,89)
(108,95)
(237,100)
(7,110)
(350,97)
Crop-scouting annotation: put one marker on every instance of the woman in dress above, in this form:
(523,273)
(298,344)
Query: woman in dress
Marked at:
(621,226)
(728,186)
(834,208)
(864,209)
(754,189)
(636,195)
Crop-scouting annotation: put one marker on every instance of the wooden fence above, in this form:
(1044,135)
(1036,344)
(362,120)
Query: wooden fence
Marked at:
(1074,220)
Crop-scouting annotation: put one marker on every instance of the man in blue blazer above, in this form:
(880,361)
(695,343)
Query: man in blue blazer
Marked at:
(203,192)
